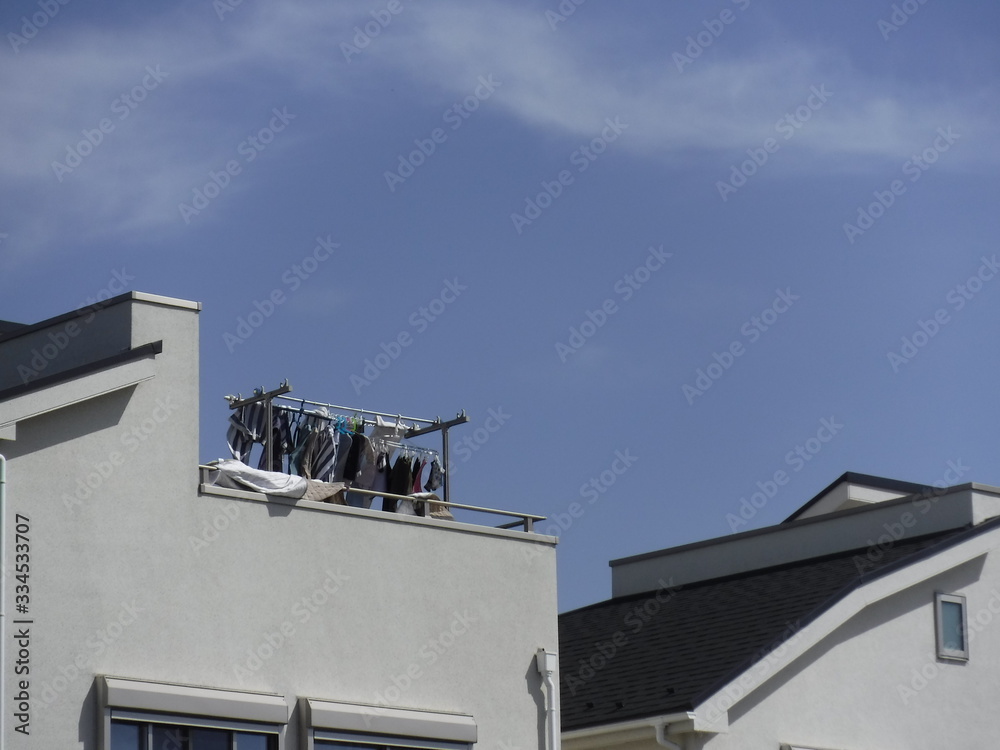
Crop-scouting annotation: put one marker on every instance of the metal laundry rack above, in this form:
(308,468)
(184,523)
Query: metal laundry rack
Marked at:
(424,426)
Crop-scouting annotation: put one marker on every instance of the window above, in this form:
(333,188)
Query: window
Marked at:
(138,735)
(951,626)
(140,715)
(352,726)
(351,741)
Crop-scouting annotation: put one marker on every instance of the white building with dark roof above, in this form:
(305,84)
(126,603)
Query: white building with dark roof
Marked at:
(869,619)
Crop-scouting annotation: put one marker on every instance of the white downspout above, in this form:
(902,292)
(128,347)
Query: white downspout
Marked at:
(661,737)
(3,589)
(548,668)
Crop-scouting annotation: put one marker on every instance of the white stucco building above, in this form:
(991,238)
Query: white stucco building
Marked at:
(148,610)
(868,620)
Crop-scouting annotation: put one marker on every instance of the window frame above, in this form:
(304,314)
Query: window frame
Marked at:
(328,722)
(146,702)
(148,720)
(325,738)
(943,651)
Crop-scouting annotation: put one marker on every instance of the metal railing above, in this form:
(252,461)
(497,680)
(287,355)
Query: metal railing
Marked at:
(525,520)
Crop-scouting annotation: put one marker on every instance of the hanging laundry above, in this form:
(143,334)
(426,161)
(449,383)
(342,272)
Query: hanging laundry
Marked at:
(279,444)
(400,482)
(327,453)
(436,475)
(364,476)
(386,430)
(344,443)
(418,469)
(383,468)
(247,426)
(301,458)
(326,447)
(353,462)
(315,453)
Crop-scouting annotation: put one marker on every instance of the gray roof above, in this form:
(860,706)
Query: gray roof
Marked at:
(9,326)
(664,652)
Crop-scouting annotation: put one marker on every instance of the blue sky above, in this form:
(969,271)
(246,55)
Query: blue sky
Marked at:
(665,246)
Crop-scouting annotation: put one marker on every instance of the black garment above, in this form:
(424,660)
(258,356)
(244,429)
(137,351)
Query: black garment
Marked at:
(436,476)
(400,483)
(353,464)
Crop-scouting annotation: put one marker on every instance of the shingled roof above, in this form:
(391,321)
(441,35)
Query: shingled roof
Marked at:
(665,651)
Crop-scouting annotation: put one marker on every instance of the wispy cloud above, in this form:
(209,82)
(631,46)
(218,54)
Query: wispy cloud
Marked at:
(726,102)
(225,75)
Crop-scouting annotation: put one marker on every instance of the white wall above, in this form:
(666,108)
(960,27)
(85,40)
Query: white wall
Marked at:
(876,682)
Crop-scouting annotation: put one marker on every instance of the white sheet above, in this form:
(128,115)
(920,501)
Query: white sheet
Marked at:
(268,482)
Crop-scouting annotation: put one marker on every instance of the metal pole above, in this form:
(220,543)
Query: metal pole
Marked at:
(269,434)
(336,407)
(447,472)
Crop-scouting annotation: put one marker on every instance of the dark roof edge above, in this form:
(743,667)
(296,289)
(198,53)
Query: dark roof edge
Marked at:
(863,579)
(138,352)
(24,329)
(925,491)
(9,326)
(869,480)
(753,572)
(66,317)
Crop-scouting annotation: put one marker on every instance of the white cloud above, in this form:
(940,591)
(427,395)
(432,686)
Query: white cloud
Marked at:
(555,82)
(224,76)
